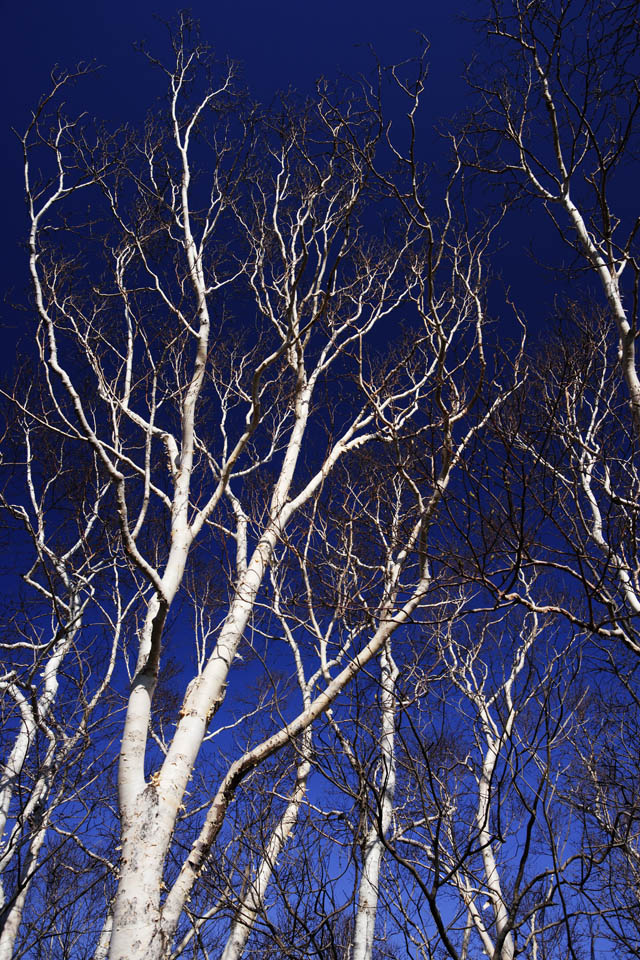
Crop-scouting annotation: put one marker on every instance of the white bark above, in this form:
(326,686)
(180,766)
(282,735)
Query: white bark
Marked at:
(609,279)
(43,743)
(192,866)
(253,898)
(12,918)
(367,906)
(319,292)
(485,838)
(583,143)
(102,947)
(33,717)
(495,729)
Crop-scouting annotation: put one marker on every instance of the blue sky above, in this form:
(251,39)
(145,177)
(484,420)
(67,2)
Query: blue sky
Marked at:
(279,45)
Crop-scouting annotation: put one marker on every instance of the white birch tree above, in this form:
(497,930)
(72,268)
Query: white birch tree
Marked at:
(73,594)
(478,822)
(312,483)
(214,430)
(559,124)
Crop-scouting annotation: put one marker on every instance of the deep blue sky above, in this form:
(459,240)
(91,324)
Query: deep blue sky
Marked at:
(282,44)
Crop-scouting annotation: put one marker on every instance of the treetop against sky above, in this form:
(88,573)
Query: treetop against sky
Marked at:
(277,47)
(321,627)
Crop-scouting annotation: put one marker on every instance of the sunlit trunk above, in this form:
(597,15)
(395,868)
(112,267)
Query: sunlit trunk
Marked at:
(13,918)
(253,897)
(364,929)
(492,876)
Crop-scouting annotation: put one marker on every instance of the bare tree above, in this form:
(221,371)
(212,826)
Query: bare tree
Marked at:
(53,689)
(341,559)
(605,792)
(554,493)
(559,125)
(240,281)
(479,825)
(587,474)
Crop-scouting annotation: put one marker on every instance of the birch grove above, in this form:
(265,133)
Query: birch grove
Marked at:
(323,630)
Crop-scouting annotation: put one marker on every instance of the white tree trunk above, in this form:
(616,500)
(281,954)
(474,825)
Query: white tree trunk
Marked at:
(364,929)
(102,947)
(492,875)
(33,716)
(13,917)
(254,896)
(149,811)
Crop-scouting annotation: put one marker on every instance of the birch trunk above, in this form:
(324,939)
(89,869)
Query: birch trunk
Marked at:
(492,875)
(609,278)
(364,929)
(12,918)
(149,810)
(102,947)
(33,717)
(253,899)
